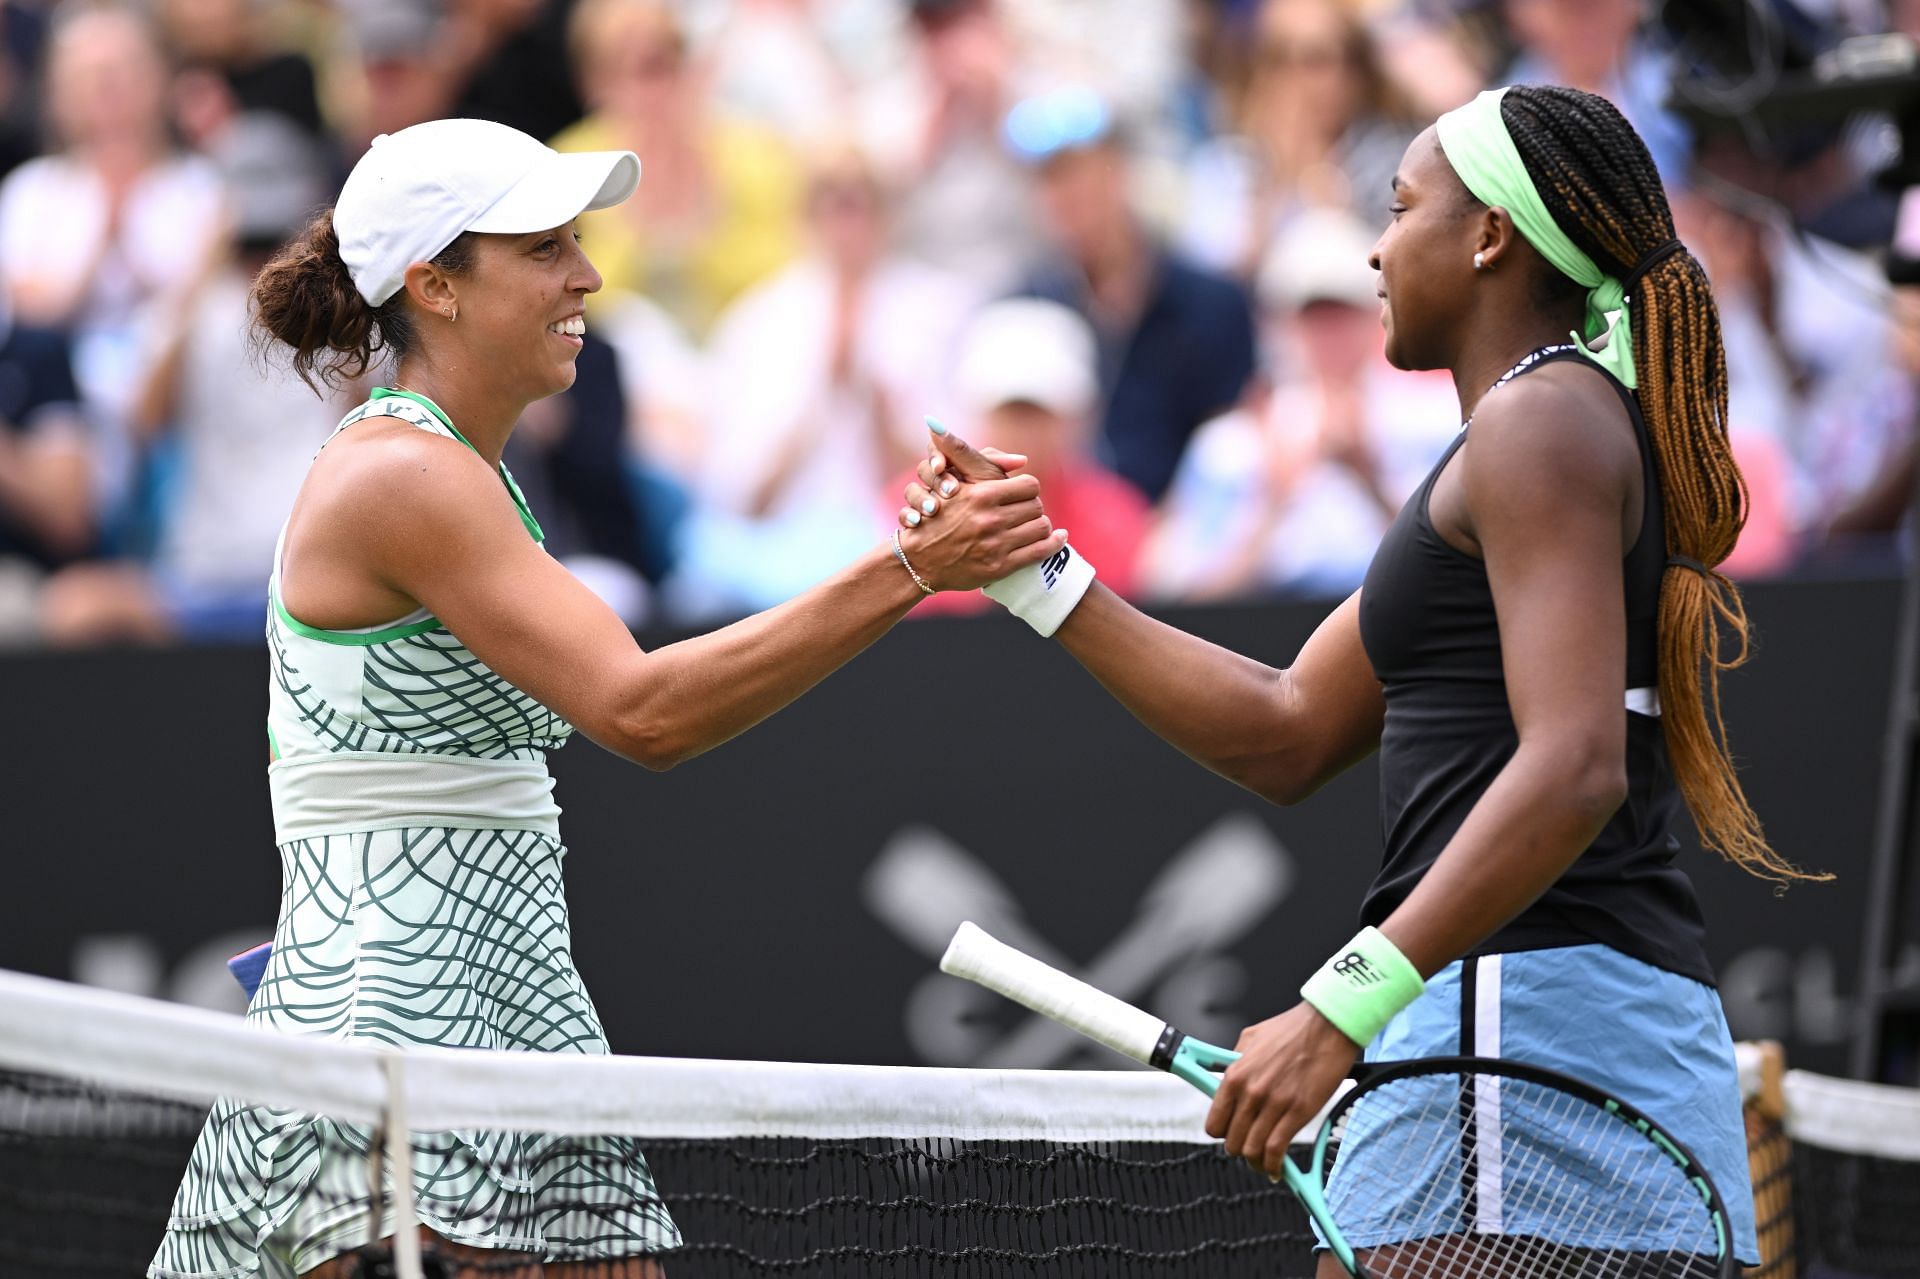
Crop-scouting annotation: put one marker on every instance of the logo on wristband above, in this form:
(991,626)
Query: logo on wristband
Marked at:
(1354,967)
(1054,565)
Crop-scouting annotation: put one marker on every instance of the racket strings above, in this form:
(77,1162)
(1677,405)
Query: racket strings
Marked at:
(1453,1175)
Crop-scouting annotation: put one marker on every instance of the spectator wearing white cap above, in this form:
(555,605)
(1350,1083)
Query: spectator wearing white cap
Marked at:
(1292,491)
(425,654)
(1027,381)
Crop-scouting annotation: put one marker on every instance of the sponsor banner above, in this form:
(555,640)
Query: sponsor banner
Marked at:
(789,894)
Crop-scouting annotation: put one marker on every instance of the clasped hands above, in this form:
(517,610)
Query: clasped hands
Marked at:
(971,518)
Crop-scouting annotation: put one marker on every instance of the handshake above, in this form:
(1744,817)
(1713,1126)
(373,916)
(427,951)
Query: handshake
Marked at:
(971,520)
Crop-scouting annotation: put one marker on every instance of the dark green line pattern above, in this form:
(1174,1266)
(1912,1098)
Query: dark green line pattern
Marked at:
(430,691)
(418,936)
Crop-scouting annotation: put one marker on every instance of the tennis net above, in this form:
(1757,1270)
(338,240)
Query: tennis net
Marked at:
(776,1169)
(764,1168)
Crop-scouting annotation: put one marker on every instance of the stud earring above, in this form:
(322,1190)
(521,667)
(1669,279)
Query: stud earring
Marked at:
(1479,261)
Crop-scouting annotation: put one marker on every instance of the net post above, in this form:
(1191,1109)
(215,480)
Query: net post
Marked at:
(1770,1163)
(399,1143)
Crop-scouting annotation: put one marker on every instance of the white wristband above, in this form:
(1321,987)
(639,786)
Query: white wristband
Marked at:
(1041,595)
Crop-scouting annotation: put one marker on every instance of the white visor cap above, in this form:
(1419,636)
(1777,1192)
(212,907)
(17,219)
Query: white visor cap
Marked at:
(416,191)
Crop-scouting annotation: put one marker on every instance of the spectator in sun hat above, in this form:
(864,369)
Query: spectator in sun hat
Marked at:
(1027,379)
(1292,490)
(1175,342)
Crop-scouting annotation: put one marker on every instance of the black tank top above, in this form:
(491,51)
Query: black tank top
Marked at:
(1428,623)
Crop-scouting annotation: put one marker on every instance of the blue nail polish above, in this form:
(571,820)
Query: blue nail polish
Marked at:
(928,506)
(933,424)
(946,488)
(913,518)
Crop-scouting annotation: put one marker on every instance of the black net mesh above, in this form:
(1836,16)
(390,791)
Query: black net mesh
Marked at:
(87,1177)
(1856,1216)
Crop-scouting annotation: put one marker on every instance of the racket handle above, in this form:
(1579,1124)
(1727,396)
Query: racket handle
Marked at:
(1020,977)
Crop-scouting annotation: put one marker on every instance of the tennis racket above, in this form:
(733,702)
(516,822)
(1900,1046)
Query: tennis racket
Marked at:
(1442,1167)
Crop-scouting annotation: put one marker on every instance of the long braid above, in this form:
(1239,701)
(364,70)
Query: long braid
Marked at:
(1596,177)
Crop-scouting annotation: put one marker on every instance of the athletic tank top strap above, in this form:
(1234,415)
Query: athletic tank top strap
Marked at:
(417,410)
(372,700)
(1413,544)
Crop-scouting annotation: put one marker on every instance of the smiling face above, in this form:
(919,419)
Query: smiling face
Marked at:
(520,311)
(1425,258)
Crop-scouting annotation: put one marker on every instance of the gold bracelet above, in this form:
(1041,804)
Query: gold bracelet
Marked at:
(902,554)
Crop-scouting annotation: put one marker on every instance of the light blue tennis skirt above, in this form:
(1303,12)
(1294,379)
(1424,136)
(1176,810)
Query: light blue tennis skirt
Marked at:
(1653,1038)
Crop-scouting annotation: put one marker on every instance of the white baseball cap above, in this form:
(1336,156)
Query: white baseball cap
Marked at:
(1031,351)
(416,191)
(1320,256)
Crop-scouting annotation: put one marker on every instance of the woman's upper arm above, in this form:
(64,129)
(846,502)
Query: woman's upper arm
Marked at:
(1547,475)
(1333,694)
(441,529)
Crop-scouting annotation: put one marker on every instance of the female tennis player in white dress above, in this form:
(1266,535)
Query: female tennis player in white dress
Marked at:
(426,655)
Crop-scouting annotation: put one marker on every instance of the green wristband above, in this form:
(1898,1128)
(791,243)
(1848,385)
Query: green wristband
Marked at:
(1363,986)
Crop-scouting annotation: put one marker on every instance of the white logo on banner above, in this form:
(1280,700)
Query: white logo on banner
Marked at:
(1169,957)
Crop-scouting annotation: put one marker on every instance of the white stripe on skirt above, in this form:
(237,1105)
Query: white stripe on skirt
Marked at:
(1486,1096)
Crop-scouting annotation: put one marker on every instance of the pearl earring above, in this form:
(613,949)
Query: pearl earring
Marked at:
(1479,261)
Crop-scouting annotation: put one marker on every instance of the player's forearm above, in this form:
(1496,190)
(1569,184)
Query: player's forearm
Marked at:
(700,692)
(1233,715)
(1544,809)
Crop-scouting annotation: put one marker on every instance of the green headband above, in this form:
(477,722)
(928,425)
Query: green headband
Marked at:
(1481,151)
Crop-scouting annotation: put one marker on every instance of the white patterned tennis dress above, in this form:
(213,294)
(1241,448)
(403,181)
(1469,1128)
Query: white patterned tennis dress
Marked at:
(421,903)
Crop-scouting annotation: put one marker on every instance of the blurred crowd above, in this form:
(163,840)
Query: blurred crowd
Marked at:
(1128,238)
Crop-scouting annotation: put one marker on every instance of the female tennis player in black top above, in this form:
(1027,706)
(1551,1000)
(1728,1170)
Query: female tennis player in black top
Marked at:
(1534,651)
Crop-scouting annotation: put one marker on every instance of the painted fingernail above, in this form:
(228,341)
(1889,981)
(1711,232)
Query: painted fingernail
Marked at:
(933,424)
(928,506)
(913,518)
(947,487)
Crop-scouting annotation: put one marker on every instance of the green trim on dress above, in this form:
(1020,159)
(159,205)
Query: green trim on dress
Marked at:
(513,489)
(405,631)
(409,629)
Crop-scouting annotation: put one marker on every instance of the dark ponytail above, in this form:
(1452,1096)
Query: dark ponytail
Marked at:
(305,299)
